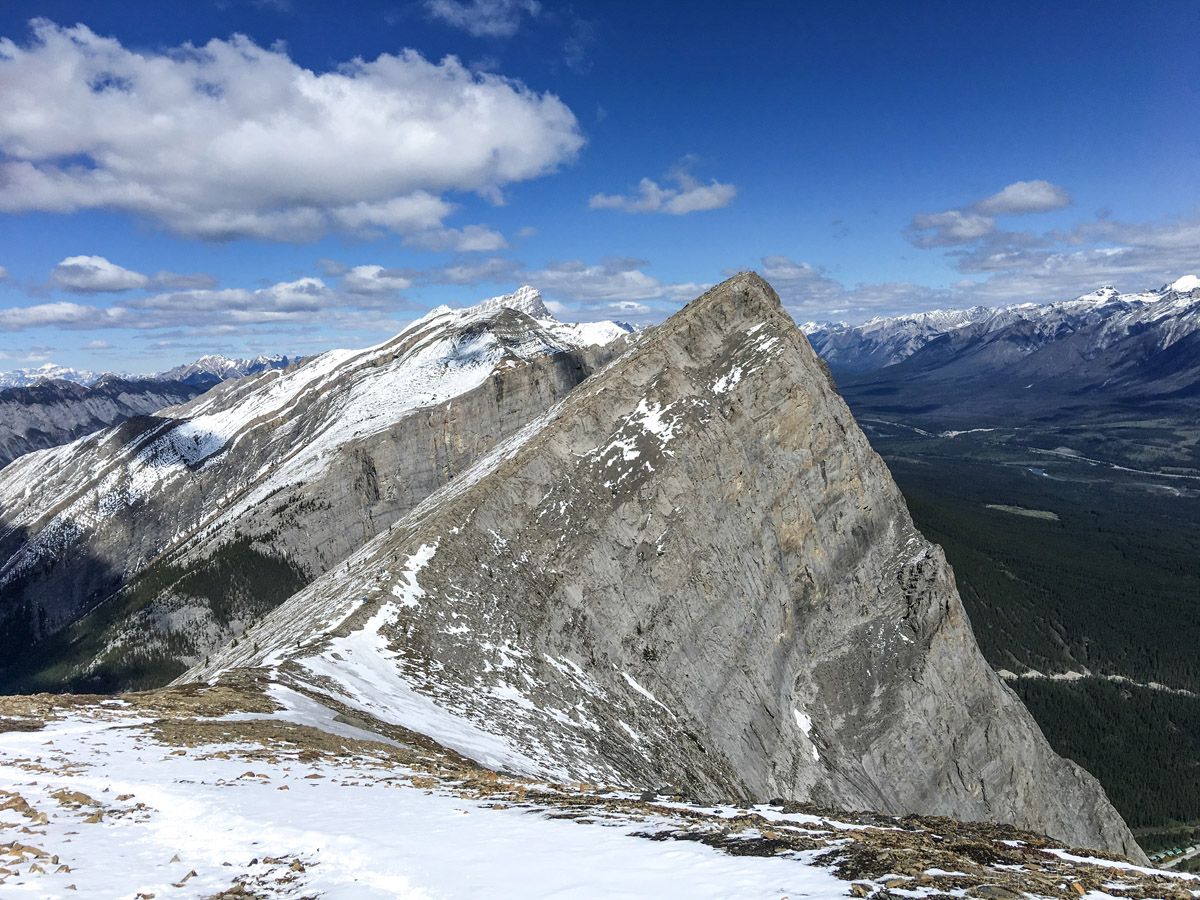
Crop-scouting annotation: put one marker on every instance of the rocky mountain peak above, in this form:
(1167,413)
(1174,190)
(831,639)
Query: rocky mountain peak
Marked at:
(526,299)
(692,571)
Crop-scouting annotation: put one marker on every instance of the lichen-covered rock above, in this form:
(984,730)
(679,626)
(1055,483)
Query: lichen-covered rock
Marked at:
(693,574)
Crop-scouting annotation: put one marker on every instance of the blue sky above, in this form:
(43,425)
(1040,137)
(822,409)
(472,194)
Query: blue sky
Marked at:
(247,177)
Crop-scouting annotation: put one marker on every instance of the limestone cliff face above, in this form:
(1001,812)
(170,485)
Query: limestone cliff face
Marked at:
(693,572)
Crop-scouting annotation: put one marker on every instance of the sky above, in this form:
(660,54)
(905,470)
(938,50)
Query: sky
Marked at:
(286,176)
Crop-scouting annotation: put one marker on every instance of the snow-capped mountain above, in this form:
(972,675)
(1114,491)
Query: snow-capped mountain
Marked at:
(1104,350)
(48,372)
(692,571)
(210,369)
(214,368)
(1105,315)
(880,341)
(185,525)
(492,555)
(50,405)
(50,412)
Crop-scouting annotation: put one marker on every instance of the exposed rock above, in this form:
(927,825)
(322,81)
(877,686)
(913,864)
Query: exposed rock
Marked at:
(692,571)
(176,531)
(50,413)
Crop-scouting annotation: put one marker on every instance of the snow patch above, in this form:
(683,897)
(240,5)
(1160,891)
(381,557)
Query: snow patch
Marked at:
(409,592)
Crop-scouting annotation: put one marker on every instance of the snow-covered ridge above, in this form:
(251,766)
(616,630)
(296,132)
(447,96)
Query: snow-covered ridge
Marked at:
(291,422)
(211,365)
(48,372)
(1174,308)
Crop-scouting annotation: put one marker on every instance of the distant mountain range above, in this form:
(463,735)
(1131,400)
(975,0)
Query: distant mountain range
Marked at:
(212,368)
(50,405)
(1103,349)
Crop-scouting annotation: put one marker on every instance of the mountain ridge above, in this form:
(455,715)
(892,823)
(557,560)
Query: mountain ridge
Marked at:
(710,465)
(145,541)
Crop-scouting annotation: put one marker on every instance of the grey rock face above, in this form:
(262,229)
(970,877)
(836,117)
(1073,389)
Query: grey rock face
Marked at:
(175,531)
(50,413)
(693,572)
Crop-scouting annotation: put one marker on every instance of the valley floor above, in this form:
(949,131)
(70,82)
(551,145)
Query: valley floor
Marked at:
(229,792)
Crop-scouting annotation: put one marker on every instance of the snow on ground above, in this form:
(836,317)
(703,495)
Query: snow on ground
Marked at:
(187,824)
(144,797)
(362,668)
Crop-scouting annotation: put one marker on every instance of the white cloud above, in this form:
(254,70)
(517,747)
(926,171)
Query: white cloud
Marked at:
(809,293)
(618,280)
(375,280)
(95,275)
(575,289)
(231,139)
(283,300)
(629,308)
(483,18)
(964,226)
(688,196)
(1024,197)
(98,345)
(469,239)
(947,228)
(60,314)
(1058,265)
(173,281)
(3,274)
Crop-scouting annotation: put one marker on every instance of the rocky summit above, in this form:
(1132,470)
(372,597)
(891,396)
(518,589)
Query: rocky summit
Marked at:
(690,576)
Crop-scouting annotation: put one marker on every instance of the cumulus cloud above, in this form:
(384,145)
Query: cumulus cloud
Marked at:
(1006,267)
(230,139)
(95,275)
(1024,197)
(963,226)
(1058,265)
(483,18)
(371,280)
(687,196)
(173,281)
(574,289)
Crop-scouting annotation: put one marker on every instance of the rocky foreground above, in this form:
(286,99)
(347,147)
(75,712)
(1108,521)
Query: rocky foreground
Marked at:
(249,789)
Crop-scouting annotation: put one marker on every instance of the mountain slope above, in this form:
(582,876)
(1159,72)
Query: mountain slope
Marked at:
(49,406)
(232,791)
(52,412)
(131,553)
(695,572)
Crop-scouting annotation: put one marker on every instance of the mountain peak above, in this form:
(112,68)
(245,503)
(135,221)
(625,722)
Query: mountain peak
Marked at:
(1184,285)
(538,611)
(526,299)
